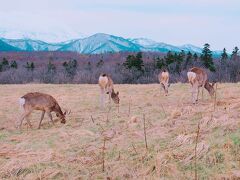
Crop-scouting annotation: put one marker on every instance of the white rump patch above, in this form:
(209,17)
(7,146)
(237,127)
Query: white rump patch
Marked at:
(191,76)
(165,74)
(103,80)
(21,101)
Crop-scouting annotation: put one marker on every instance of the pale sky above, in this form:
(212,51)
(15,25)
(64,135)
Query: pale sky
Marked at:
(176,22)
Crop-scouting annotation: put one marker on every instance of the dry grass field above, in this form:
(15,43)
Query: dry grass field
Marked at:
(76,149)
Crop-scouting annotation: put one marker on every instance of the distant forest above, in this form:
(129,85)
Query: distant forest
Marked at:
(124,67)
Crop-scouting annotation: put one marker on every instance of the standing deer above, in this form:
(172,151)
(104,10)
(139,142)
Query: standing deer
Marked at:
(164,79)
(198,78)
(42,102)
(106,85)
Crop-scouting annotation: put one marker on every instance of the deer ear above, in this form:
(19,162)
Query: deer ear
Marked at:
(117,93)
(213,84)
(65,113)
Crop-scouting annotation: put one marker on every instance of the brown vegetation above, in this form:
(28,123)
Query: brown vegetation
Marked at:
(76,150)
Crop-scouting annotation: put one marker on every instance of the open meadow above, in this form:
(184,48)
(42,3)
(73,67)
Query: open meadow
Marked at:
(110,143)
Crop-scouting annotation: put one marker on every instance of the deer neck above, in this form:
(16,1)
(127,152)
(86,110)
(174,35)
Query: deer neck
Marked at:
(208,87)
(58,109)
(112,92)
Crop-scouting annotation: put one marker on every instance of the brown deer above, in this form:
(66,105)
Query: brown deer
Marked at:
(42,102)
(106,85)
(199,78)
(164,80)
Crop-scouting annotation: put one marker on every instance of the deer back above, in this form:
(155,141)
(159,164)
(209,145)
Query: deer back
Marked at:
(105,82)
(201,76)
(163,77)
(39,101)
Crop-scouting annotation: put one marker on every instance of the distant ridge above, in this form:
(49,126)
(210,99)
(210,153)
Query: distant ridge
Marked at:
(96,44)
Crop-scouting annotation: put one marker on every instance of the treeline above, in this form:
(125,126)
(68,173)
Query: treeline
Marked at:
(141,67)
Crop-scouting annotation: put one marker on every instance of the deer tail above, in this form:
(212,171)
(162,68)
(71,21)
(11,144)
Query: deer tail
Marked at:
(21,103)
(191,77)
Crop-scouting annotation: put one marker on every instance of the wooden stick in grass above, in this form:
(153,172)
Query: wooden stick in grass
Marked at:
(215,98)
(145,134)
(103,154)
(129,106)
(92,119)
(195,150)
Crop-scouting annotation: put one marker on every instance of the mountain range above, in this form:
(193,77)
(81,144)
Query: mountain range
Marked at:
(96,44)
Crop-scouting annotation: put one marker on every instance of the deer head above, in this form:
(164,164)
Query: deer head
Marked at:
(62,116)
(210,88)
(115,97)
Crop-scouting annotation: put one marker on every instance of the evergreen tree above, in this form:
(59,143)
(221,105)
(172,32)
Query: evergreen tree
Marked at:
(14,64)
(51,68)
(134,62)
(206,57)
(182,55)
(188,60)
(100,63)
(170,57)
(70,67)
(160,63)
(195,56)
(30,66)
(234,53)
(179,58)
(4,64)
(89,66)
(224,57)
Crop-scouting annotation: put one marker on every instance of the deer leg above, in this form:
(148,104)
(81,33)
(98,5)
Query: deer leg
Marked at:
(102,97)
(109,98)
(26,113)
(42,116)
(193,99)
(194,93)
(50,116)
(28,121)
(163,87)
(197,93)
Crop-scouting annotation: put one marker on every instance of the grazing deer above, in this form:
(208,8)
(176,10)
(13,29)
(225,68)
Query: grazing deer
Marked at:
(106,86)
(164,79)
(42,102)
(198,78)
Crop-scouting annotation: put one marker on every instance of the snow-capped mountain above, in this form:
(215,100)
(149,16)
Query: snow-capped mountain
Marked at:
(95,44)
(100,43)
(32,45)
(150,45)
(6,47)
(191,48)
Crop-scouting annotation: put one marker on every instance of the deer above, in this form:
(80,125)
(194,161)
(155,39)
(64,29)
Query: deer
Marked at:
(199,78)
(43,102)
(164,80)
(105,83)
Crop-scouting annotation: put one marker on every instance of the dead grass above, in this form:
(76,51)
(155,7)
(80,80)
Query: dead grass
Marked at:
(74,150)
